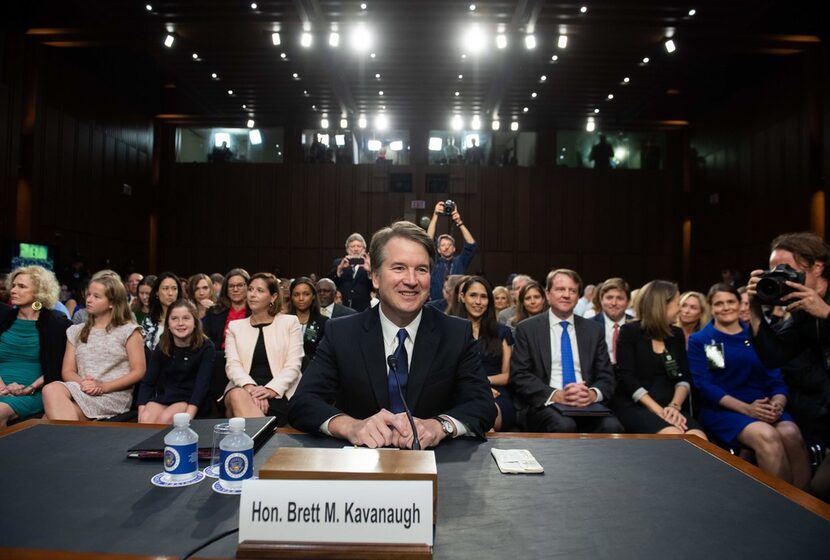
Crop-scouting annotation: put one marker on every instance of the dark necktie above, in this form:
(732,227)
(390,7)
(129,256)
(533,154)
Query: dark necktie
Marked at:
(395,402)
(568,370)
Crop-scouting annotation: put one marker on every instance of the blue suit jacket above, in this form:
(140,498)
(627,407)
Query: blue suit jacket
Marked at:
(349,374)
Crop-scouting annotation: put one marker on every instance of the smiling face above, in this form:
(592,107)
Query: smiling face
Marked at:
(743,310)
(446,247)
(476,301)
(690,311)
(181,324)
(259,298)
(614,303)
(725,309)
(563,295)
(500,301)
(22,291)
(302,297)
(402,280)
(97,303)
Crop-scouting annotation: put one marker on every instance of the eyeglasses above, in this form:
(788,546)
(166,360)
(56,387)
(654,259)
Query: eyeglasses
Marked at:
(237,286)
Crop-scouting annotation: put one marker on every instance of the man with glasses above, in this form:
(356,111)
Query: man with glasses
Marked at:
(326,291)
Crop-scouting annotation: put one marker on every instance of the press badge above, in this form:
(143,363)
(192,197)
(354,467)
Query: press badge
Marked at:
(671,366)
(714,355)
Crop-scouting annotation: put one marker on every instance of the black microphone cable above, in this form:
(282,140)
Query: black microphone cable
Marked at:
(392,362)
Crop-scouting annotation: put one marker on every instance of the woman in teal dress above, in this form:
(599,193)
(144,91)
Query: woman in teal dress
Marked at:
(32,342)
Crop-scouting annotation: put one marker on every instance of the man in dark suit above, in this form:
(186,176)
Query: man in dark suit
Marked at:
(351,274)
(560,358)
(349,392)
(613,298)
(328,307)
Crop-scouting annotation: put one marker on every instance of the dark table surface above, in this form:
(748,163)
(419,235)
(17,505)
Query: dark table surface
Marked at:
(72,488)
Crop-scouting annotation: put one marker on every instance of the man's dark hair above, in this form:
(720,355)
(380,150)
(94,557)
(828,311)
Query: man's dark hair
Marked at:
(807,248)
(405,230)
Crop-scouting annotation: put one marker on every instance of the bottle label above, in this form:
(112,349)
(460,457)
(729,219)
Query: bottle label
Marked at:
(181,459)
(236,465)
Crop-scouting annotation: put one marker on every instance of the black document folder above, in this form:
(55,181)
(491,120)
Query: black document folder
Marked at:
(594,409)
(260,429)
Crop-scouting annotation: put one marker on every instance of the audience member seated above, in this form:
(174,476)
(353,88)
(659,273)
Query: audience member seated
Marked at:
(501,299)
(743,402)
(531,302)
(32,342)
(165,291)
(77,296)
(133,280)
(449,295)
(653,379)
(104,358)
(584,302)
(613,301)
(560,358)
(494,343)
(232,305)
(217,280)
(694,314)
(351,274)
(200,292)
(178,375)
(306,308)
(505,317)
(141,304)
(743,312)
(264,353)
(327,294)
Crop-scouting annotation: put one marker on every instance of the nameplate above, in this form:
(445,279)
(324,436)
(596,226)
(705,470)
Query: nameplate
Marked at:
(345,511)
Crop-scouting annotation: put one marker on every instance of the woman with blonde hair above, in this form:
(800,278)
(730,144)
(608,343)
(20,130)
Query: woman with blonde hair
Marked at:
(694,314)
(264,353)
(501,299)
(104,358)
(32,342)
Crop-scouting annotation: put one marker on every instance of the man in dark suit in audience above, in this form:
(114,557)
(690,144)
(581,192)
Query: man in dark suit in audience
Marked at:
(352,273)
(326,291)
(349,392)
(613,298)
(560,358)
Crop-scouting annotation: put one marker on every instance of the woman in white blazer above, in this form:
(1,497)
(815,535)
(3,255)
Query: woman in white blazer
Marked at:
(263,355)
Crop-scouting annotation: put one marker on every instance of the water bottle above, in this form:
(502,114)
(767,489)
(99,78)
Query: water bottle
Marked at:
(236,455)
(181,449)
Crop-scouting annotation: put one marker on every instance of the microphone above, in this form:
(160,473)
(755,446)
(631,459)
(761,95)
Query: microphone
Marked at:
(392,361)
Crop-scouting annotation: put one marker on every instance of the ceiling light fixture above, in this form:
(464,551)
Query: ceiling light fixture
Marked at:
(275,38)
(610,96)
(525,109)
(562,43)
(215,76)
(295,76)
(305,39)
(542,78)
(472,7)
(380,93)
(473,40)
(360,38)
(148,7)
(457,123)
(533,95)
(324,123)
(373,55)
(250,123)
(361,122)
(590,126)
(256,138)
(514,126)
(230,92)
(305,92)
(282,56)
(169,40)
(244,106)
(555,57)
(381,122)
(645,60)
(334,39)
(461,76)
(253,6)
(530,42)
(670,46)
(626,80)
(457,93)
(692,12)
(495,125)
(195,56)
(583,9)
(501,41)
(344,123)
(596,111)
(463,56)
(363,7)
(476,123)
(377,76)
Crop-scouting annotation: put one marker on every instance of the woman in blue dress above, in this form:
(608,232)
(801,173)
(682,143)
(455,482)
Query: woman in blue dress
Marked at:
(32,342)
(495,344)
(741,400)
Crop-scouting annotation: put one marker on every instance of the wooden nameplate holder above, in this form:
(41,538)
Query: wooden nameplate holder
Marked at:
(298,463)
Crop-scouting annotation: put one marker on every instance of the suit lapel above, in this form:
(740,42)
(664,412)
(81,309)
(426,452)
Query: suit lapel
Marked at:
(374,358)
(584,347)
(543,332)
(427,341)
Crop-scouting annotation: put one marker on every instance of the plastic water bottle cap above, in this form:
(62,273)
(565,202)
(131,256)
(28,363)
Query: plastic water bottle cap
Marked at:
(181,419)
(236,424)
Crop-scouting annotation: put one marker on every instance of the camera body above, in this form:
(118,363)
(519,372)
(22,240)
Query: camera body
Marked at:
(449,207)
(772,285)
(354,261)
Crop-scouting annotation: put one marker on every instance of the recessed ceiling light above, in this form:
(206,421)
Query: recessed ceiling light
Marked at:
(555,57)
(314,107)
(472,7)
(334,39)
(377,76)
(305,92)
(250,123)
(475,123)
(562,42)
(230,92)
(324,123)
(363,7)
(610,96)
(380,93)
(533,95)
(645,60)
(692,12)
(514,126)
(583,9)
(372,55)
(501,41)
(275,38)
(215,76)
(495,125)
(295,76)
(361,122)
(383,107)
(344,123)
(169,40)
(590,126)
(596,111)
(149,8)
(461,76)
(530,42)
(525,109)
(542,78)
(282,56)
(457,93)
(253,6)
(457,123)
(305,39)
(626,80)
(670,46)
(244,106)
(195,56)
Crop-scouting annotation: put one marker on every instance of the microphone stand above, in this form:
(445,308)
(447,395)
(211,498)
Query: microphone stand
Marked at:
(392,361)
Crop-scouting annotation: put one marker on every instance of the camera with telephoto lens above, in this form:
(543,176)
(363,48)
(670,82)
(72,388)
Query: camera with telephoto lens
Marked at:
(771,287)
(449,207)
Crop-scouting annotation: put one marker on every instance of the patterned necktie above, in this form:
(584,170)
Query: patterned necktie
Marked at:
(395,402)
(568,370)
(614,337)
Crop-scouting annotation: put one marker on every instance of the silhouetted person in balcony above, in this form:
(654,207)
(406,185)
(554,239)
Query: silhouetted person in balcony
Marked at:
(601,154)
(222,153)
(451,151)
(474,154)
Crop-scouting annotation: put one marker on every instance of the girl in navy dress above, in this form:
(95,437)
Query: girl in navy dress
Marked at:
(178,376)
(743,401)
(495,344)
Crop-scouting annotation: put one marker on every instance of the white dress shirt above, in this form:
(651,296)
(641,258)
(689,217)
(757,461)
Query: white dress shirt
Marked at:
(556,355)
(609,335)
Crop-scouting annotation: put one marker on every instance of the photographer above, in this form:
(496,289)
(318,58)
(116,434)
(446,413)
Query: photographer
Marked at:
(447,262)
(352,274)
(801,343)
